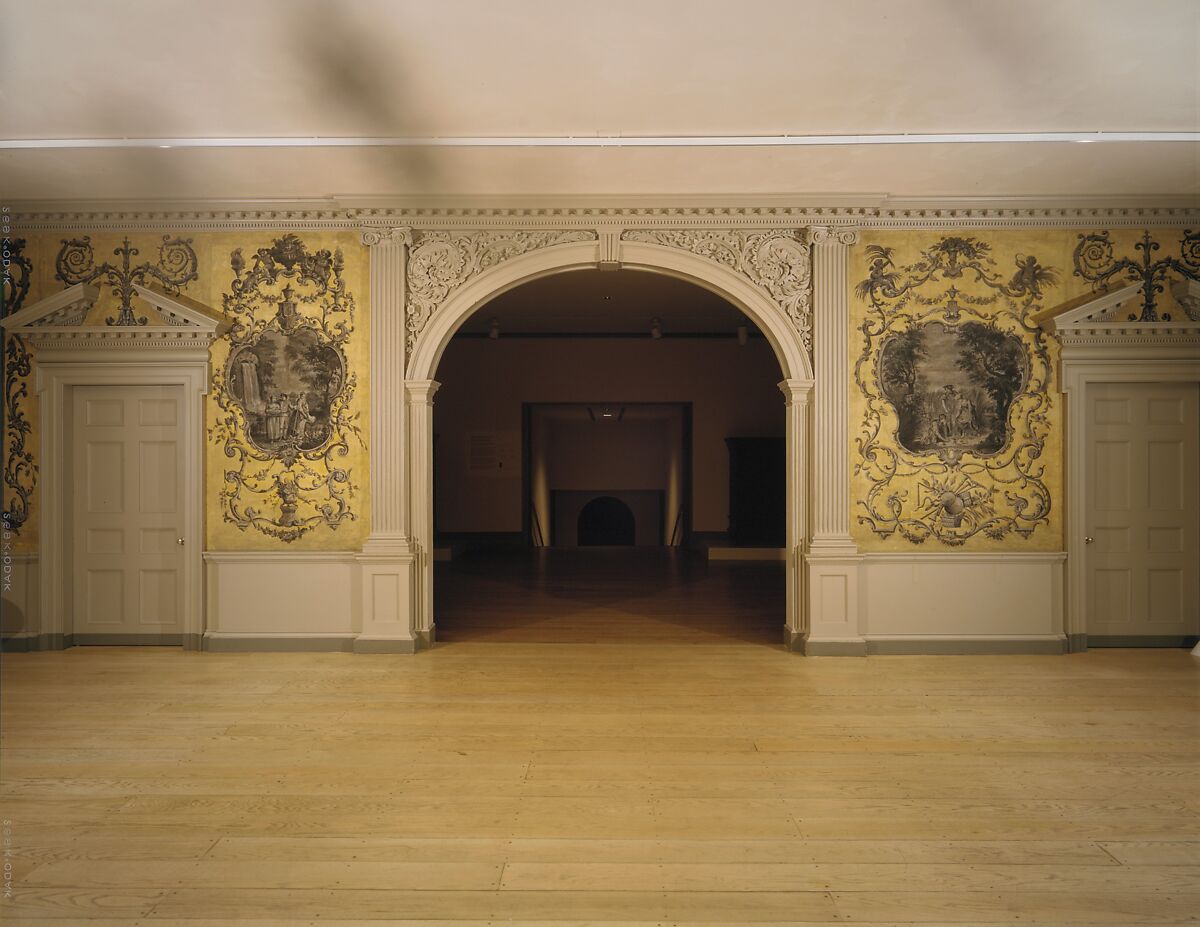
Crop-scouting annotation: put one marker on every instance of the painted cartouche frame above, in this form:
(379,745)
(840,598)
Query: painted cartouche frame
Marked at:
(285,392)
(956,380)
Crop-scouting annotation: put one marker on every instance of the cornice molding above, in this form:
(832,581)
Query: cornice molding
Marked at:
(758,211)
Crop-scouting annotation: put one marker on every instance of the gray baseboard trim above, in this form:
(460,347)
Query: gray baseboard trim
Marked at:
(125,640)
(966,646)
(250,643)
(834,648)
(1077,643)
(793,640)
(385,645)
(426,639)
(1182,641)
(33,643)
(193,642)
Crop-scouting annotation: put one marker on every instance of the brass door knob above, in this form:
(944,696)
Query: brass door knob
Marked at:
(1087,540)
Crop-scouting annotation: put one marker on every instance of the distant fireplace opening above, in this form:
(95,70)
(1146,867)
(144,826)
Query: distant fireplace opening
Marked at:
(606,522)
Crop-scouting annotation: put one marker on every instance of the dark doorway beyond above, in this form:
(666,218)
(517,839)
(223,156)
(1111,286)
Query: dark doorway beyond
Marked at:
(618,595)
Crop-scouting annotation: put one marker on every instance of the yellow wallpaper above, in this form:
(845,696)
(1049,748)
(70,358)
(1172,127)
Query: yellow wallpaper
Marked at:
(948,494)
(308,484)
(943,485)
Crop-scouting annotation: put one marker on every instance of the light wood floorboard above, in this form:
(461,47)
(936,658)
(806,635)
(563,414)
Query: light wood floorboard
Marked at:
(630,783)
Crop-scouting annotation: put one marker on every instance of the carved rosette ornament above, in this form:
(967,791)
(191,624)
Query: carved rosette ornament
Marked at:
(440,262)
(774,260)
(284,393)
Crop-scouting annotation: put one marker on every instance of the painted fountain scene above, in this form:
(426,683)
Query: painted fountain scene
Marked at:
(952,386)
(285,384)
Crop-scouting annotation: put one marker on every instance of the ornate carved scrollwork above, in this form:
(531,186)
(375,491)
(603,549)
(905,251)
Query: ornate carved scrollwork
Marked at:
(1095,262)
(20,471)
(775,260)
(177,266)
(442,261)
(285,391)
(957,391)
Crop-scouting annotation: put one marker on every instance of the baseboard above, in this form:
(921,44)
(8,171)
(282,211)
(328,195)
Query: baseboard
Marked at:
(829,648)
(1181,641)
(278,643)
(33,643)
(934,646)
(124,640)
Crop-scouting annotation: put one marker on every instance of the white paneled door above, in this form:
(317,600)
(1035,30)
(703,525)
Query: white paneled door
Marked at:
(125,516)
(1143,519)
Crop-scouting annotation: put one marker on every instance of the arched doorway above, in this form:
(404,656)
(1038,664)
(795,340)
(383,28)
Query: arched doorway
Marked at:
(780,330)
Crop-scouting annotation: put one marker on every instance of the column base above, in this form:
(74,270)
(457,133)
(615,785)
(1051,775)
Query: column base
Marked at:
(388,569)
(407,645)
(831,581)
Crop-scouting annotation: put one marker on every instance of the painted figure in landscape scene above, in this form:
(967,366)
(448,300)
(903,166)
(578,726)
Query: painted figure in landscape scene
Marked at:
(952,386)
(285,384)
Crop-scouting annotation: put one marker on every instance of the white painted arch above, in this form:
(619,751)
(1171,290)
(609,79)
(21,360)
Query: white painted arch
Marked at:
(465,301)
(770,318)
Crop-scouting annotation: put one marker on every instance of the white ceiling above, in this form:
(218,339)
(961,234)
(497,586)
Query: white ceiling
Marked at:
(180,68)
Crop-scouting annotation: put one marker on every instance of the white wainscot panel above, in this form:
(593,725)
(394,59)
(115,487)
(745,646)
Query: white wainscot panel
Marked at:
(19,618)
(1000,596)
(298,595)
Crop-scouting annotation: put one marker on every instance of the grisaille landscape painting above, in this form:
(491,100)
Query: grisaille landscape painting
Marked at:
(285,383)
(952,386)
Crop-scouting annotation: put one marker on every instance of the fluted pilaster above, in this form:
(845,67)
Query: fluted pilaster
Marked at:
(796,396)
(420,422)
(389,497)
(831,412)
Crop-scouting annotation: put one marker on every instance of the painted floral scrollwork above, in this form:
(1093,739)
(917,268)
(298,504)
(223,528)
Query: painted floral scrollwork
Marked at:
(176,267)
(284,394)
(776,260)
(20,471)
(442,261)
(956,378)
(1096,262)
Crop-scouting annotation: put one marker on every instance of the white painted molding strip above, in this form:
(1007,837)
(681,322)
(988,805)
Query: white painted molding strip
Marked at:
(600,141)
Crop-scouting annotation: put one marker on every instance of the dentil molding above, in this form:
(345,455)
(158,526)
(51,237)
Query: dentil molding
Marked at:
(759,211)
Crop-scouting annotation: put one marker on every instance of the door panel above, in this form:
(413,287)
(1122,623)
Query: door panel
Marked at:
(125,513)
(1144,510)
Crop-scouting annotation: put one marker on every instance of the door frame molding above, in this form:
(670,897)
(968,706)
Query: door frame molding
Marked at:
(1100,346)
(70,354)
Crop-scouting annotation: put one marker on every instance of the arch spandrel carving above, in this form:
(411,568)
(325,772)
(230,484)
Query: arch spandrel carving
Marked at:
(440,261)
(777,261)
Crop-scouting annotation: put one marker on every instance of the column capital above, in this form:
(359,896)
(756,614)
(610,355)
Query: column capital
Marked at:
(796,390)
(421,391)
(827,235)
(371,237)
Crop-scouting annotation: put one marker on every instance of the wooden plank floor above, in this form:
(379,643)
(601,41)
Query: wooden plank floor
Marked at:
(630,783)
